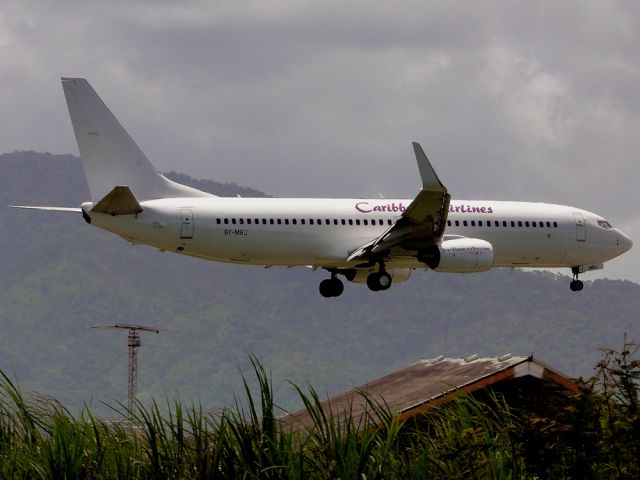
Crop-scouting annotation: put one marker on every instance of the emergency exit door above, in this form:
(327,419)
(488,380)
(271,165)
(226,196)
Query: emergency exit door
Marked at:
(186,230)
(581,227)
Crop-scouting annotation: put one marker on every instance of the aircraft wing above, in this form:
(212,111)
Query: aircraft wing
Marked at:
(421,224)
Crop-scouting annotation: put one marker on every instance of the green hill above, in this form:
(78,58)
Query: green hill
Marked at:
(60,277)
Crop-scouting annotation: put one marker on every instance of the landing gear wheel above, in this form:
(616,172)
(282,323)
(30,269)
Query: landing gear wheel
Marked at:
(331,287)
(325,288)
(338,287)
(384,280)
(379,281)
(372,282)
(576,285)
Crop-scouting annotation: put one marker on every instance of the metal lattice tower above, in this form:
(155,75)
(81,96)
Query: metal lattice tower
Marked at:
(133,341)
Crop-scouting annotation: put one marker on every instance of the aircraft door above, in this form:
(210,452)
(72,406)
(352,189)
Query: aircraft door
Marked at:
(186,230)
(581,227)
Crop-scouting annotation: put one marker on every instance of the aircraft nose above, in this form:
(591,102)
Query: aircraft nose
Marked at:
(624,242)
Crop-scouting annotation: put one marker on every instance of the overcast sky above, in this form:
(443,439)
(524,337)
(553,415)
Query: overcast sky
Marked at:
(531,101)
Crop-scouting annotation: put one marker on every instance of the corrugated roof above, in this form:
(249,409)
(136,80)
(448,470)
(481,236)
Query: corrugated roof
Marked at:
(420,386)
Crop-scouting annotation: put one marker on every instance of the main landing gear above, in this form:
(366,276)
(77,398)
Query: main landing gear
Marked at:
(331,287)
(576,285)
(377,281)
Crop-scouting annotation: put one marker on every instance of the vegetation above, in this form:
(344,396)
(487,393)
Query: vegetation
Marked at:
(593,434)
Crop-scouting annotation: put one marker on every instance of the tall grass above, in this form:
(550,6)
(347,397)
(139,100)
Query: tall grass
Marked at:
(468,438)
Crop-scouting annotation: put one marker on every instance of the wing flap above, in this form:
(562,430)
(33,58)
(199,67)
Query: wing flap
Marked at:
(119,201)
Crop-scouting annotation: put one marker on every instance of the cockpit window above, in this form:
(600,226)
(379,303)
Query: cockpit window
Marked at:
(604,224)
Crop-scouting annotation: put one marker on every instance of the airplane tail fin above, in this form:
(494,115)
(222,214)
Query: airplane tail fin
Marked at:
(110,157)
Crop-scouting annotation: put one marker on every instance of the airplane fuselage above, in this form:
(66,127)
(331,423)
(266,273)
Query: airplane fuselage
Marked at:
(372,241)
(319,232)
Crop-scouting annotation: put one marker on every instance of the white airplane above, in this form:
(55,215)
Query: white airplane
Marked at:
(370,241)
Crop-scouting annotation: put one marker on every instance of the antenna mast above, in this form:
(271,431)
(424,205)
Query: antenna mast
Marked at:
(133,341)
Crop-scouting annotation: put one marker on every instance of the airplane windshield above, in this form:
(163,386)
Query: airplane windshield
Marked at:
(604,224)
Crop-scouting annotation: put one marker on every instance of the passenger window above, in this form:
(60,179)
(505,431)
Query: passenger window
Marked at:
(464,222)
(319,222)
(302,221)
(233,220)
(279,221)
(504,223)
(248,221)
(533,224)
(390,222)
(294,221)
(311,221)
(343,221)
(257,221)
(226,221)
(479,223)
(271,221)
(497,223)
(555,224)
(286,221)
(457,223)
(548,224)
(513,224)
(448,223)
(241,221)
(519,223)
(357,221)
(218,221)
(335,221)
(473,223)
(365,221)
(526,224)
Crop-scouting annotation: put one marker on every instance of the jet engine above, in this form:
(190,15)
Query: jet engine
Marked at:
(459,255)
(398,275)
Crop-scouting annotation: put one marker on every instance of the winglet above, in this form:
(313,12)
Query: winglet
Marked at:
(430,180)
(119,201)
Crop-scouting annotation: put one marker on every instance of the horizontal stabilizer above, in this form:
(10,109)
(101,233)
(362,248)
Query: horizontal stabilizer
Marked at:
(49,209)
(119,201)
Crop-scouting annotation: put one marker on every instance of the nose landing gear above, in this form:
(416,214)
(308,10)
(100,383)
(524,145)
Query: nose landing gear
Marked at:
(576,285)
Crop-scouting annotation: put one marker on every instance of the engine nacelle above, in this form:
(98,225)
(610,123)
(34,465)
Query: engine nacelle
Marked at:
(398,275)
(461,255)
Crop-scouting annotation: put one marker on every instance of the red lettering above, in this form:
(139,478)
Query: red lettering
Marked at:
(362,207)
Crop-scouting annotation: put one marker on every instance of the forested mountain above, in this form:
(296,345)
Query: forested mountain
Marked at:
(61,276)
